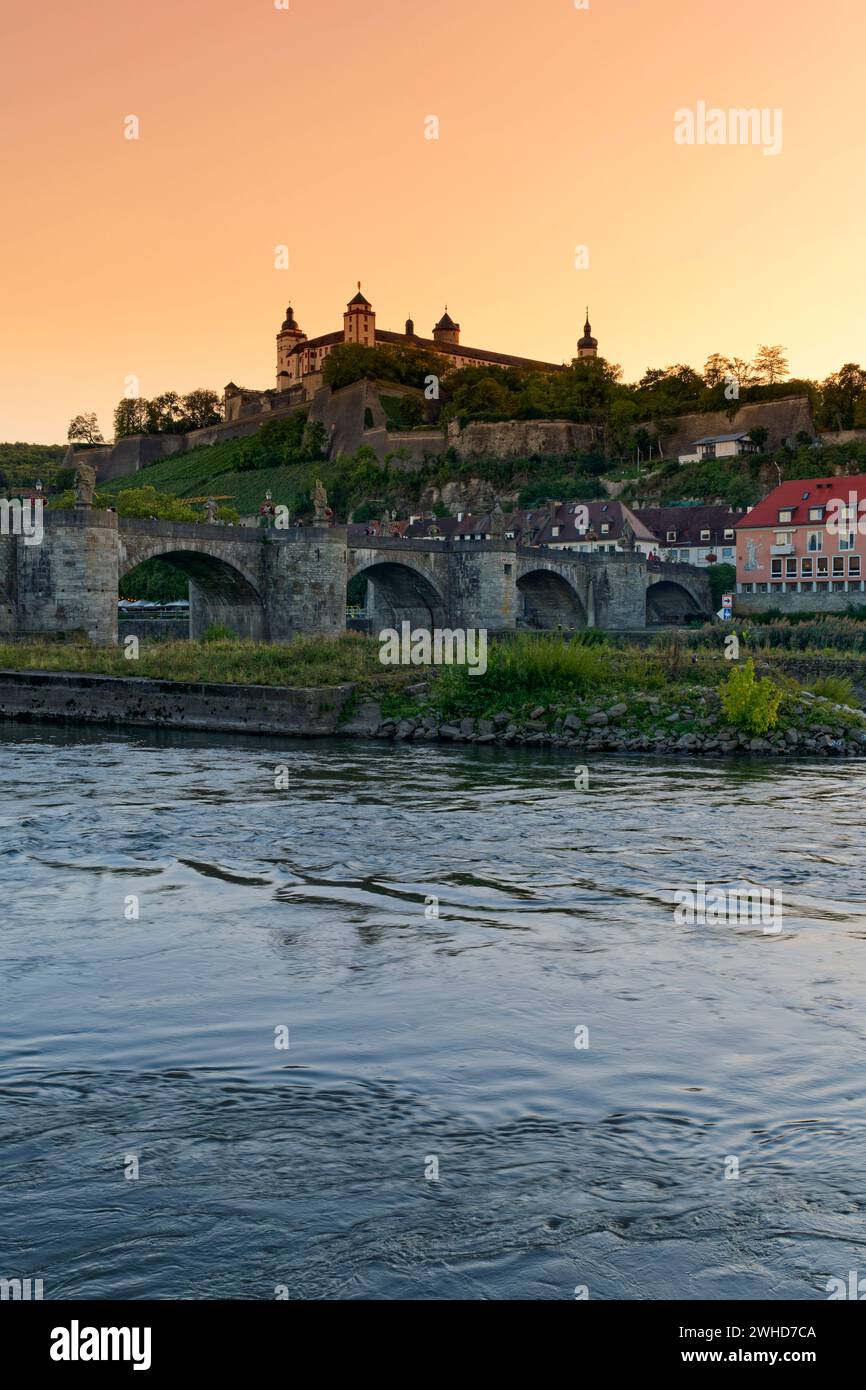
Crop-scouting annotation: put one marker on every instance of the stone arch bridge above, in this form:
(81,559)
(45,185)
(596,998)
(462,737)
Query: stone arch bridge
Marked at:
(272,584)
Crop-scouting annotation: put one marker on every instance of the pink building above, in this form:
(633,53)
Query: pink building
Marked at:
(806,537)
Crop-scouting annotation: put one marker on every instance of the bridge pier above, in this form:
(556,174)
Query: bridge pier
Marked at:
(483,587)
(68,583)
(305,579)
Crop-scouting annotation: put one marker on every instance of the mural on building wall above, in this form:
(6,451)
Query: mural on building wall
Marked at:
(753,561)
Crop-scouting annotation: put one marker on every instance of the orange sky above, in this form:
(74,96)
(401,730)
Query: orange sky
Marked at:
(306,127)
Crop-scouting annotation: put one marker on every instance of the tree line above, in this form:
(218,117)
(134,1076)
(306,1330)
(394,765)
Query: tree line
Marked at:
(588,389)
(593,389)
(168,413)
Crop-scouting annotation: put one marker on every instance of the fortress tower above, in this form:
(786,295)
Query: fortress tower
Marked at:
(359,321)
(587,346)
(446,330)
(288,337)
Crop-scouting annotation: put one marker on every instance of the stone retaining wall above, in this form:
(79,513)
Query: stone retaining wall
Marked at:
(248,709)
(154,629)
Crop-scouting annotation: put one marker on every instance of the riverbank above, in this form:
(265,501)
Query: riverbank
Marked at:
(536,691)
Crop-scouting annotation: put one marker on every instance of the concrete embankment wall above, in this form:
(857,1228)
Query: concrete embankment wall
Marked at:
(154,629)
(798,603)
(248,709)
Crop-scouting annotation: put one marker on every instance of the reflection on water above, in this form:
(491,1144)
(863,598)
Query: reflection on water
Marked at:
(414,1036)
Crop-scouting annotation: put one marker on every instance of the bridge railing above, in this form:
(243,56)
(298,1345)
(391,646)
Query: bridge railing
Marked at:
(674,567)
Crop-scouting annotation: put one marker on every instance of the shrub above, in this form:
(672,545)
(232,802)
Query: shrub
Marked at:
(839,689)
(751,704)
(218,632)
(532,667)
(669,650)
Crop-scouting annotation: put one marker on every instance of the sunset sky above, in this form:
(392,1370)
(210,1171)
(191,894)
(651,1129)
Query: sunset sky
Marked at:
(259,126)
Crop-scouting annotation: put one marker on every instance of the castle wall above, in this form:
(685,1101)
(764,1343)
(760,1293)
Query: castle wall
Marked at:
(520,439)
(782,419)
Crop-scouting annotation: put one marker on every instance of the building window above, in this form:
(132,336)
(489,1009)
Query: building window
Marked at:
(786,514)
(705,535)
(838,566)
(728,552)
(853,566)
(816,513)
(791,567)
(814,540)
(846,541)
(605,527)
(554,530)
(823,566)
(807,567)
(729,534)
(784,537)
(776,567)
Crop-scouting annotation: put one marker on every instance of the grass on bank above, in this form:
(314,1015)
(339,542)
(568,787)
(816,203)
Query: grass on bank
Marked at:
(666,686)
(305,661)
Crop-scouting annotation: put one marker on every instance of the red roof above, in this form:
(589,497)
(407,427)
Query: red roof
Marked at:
(798,496)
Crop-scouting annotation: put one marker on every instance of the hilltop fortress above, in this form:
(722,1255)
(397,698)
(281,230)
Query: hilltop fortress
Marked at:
(359,413)
(300,359)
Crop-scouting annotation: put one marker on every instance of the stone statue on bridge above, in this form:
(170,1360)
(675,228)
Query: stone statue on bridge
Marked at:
(210,511)
(322,513)
(497,520)
(85,484)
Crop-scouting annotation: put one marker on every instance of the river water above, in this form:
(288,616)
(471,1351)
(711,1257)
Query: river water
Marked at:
(418,1042)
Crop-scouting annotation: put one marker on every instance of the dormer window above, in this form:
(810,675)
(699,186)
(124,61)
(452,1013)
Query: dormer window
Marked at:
(786,514)
(816,513)
(671,535)
(605,527)
(554,530)
(705,535)
(729,534)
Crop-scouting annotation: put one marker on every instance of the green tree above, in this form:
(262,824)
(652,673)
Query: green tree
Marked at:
(350,362)
(201,408)
(155,581)
(167,414)
(670,390)
(770,365)
(84,429)
(840,395)
(715,369)
(411,412)
(741,371)
(314,441)
(749,703)
(722,579)
(130,417)
(146,502)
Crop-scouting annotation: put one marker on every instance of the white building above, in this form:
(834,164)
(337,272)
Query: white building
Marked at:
(719,446)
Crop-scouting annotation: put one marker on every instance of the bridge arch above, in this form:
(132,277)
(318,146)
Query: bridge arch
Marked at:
(219,592)
(549,600)
(668,602)
(399,593)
